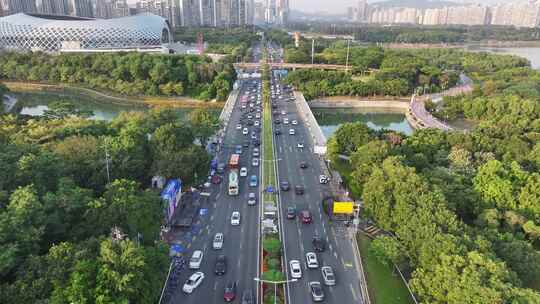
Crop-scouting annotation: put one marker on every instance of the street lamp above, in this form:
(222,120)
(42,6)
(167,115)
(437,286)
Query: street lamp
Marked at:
(275,285)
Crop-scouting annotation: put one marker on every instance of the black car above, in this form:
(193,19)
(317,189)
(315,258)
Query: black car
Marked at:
(250,122)
(291,213)
(256,142)
(277,132)
(221,265)
(247,297)
(303,165)
(284,186)
(299,190)
(318,243)
(246,144)
(277,121)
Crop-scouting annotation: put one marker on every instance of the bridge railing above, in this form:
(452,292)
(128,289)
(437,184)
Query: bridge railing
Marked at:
(317,136)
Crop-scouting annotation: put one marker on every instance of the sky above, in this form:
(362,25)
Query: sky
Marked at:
(340,6)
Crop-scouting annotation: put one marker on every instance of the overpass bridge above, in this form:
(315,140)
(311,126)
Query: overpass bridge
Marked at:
(292,66)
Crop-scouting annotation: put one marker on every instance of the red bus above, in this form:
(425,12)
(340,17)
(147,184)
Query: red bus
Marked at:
(234,162)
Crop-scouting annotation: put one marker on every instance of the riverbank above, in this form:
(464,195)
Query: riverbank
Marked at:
(486,43)
(399,105)
(74,91)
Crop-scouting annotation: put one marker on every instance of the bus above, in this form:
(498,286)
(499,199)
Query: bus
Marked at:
(234,162)
(234,165)
(233,182)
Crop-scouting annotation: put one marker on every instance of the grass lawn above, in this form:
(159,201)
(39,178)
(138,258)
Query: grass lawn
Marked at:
(384,286)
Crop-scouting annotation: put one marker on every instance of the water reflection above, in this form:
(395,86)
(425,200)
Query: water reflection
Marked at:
(375,118)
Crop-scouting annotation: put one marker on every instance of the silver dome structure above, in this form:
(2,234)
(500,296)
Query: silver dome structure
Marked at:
(32,32)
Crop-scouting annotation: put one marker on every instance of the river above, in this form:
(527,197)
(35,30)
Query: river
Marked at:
(531,53)
(375,118)
(34,104)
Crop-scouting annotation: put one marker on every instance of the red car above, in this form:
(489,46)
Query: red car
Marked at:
(305,216)
(216,179)
(230,292)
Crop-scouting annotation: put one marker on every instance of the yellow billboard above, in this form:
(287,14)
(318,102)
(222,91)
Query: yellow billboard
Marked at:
(343,208)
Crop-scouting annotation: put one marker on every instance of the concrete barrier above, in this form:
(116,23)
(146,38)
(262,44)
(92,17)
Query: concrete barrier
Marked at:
(317,136)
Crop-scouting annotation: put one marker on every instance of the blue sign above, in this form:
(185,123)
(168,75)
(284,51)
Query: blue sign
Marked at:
(203,211)
(270,189)
(177,249)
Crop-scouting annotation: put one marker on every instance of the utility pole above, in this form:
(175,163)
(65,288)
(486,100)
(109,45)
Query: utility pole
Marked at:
(312,51)
(107,159)
(348,49)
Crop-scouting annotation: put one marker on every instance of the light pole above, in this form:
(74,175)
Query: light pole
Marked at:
(347,61)
(275,285)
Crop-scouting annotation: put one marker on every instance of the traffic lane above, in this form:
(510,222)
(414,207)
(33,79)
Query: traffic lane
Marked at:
(343,261)
(218,224)
(315,207)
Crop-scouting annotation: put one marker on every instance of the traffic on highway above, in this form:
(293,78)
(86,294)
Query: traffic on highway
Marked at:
(224,243)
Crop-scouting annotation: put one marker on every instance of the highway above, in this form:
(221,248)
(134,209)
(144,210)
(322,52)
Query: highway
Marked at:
(240,242)
(339,253)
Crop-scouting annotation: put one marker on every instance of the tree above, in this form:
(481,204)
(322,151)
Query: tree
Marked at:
(350,136)
(496,186)
(204,124)
(61,110)
(387,250)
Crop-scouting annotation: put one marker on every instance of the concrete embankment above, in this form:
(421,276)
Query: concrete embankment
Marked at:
(400,105)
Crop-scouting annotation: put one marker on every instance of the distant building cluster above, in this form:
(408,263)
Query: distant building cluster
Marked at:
(516,14)
(192,13)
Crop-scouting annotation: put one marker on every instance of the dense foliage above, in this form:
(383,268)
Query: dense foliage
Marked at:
(125,73)
(235,41)
(57,208)
(378,71)
(463,208)
(507,92)
(420,34)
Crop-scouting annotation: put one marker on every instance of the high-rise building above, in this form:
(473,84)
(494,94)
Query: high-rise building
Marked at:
(54,7)
(206,8)
(259,11)
(362,11)
(81,8)
(20,6)
(517,14)
(190,13)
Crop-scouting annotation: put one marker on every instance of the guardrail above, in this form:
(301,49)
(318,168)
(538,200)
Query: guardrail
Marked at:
(317,136)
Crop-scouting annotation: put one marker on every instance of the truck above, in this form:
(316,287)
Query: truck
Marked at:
(234,165)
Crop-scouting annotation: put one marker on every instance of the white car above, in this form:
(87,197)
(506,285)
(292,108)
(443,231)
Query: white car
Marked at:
(238,127)
(193,282)
(300,145)
(283,113)
(294,122)
(311,260)
(296,269)
(256,123)
(245,131)
(218,241)
(243,172)
(285,121)
(196,259)
(255,162)
(257,115)
(328,276)
(291,132)
(235,218)
(255,152)
(252,199)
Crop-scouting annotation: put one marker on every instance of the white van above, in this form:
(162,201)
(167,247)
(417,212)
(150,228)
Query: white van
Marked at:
(196,259)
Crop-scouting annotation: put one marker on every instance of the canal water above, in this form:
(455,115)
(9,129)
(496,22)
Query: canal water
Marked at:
(531,53)
(376,118)
(34,104)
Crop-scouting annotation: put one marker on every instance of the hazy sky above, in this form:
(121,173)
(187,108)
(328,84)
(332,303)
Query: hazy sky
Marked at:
(340,6)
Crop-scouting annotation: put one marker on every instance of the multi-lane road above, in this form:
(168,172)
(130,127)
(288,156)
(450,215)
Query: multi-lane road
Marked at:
(241,246)
(298,237)
(241,242)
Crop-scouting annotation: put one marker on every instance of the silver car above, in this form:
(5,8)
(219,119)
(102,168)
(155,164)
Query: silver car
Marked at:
(328,276)
(317,292)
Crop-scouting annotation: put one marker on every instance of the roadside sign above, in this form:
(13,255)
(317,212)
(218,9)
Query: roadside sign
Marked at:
(203,211)
(343,208)
(176,249)
(204,194)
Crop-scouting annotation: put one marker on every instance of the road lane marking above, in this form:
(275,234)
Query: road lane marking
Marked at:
(335,254)
(330,246)
(215,285)
(353,293)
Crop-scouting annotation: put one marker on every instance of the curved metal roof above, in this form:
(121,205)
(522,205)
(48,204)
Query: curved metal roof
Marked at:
(145,21)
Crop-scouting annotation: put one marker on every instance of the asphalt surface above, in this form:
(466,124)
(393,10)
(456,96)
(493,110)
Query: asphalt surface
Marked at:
(240,242)
(298,237)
